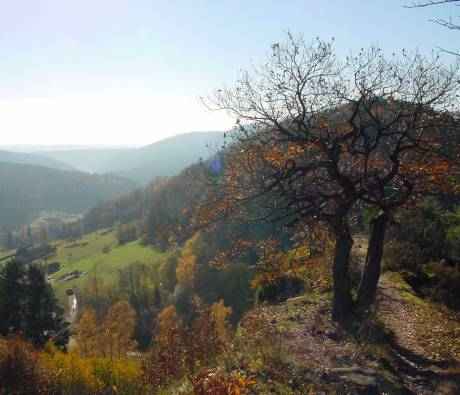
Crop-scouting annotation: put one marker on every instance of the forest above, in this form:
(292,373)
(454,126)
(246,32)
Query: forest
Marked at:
(314,250)
(26,190)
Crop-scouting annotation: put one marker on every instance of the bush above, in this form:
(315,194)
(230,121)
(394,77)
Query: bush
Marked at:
(27,371)
(72,373)
(280,290)
(438,282)
(20,371)
(53,267)
(179,348)
(418,236)
(75,374)
(126,233)
(217,382)
(424,247)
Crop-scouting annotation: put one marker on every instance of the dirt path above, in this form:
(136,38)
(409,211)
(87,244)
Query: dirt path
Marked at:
(72,312)
(398,315)
(71,316)
(408,359)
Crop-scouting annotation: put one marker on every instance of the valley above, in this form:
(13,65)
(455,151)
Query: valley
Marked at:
(229,198)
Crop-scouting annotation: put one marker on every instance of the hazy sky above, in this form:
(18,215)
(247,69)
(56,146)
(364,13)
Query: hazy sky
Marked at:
(129,72)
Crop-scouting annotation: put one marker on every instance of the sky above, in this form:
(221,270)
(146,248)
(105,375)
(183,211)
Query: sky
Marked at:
(129,72)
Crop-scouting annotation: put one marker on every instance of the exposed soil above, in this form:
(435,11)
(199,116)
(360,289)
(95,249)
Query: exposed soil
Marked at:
(409,358)
(313,355)
(402,345)
(385,353)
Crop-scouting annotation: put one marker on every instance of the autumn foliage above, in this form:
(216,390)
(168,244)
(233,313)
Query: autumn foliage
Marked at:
(317,139)
(181,348)
(113,337)
(217,383)
(25,370)
(20,370)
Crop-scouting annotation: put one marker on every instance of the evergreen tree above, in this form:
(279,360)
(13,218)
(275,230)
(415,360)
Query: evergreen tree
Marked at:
(9,242)
(39,307)
(28,307)
(157,297)
(30,236)
(12,290)
(42,234)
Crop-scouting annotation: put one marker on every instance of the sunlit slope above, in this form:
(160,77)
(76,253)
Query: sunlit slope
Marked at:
(87,255)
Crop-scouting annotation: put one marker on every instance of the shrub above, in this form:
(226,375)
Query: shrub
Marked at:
(437,281)
(220,383)
(20,371)
(74,374)
(53,267)
(180,349)
(279,290)
(126,233)
(424,247)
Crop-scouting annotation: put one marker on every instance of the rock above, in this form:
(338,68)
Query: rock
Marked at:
(435,370)
(365,379)
(448,387)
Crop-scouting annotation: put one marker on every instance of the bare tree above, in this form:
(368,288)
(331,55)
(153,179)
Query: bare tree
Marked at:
(451,23)
(316,138)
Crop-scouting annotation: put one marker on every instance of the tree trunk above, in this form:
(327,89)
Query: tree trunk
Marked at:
(342,301)
(371,271)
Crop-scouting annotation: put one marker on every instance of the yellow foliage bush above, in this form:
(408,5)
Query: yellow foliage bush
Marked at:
(73,374)
(309,260)
(220,314)
(70,373)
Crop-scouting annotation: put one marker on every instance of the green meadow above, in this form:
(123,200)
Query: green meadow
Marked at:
(87,255)
(5,254)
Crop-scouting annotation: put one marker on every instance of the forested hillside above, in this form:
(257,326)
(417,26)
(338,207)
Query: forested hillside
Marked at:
(83,159)
(313,248)
(164,158)
(25,190)
(34,159)
(167,157)
(122,208)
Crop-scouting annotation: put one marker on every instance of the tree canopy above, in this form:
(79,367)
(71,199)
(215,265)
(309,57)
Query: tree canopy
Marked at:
(316,138)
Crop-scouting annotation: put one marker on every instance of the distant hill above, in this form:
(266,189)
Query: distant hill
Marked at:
(164,158)
(88,160)
(167,157)
(25,190)
(38,148)
(34,159)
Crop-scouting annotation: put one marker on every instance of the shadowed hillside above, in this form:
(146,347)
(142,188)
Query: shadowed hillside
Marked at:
(34,159)
(25,190)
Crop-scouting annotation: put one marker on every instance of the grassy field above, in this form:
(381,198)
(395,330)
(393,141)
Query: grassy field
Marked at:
(87,256)
(46,216)
(6,253)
